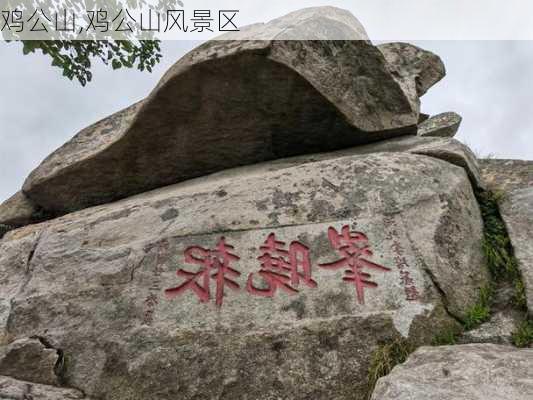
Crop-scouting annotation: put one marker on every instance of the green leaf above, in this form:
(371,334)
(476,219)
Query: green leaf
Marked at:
(116,64)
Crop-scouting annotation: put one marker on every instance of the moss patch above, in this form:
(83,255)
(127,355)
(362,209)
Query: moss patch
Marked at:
(523,337)
(384,359)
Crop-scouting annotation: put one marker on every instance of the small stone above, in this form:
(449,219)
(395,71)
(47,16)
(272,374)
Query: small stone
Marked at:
(29,360)
(463,372)
(441,125)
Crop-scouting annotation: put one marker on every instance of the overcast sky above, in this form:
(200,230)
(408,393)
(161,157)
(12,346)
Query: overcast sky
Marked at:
(490,83)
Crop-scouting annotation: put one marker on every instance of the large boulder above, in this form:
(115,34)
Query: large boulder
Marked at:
(230,103)
(466,372)
(270,281)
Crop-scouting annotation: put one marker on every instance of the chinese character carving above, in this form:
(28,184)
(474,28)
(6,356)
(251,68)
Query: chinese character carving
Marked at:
(355,249)
(214,265)
(282,269)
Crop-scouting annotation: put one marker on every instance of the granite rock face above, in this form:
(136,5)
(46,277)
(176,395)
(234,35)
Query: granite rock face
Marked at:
(446,149)
(131,296)
(507,175)
(441,125)
(416,69)
(517,213)
(39,361)
(230,103)
(466,372)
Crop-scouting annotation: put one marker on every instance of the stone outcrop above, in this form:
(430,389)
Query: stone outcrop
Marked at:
(18,210)
(93,283)
(467,372)
(513,179)
(230,103)
(517,213)
(445,149)
(237,102)
(441,125)
(507,175)
(414,68)
(422,67)
(271,221)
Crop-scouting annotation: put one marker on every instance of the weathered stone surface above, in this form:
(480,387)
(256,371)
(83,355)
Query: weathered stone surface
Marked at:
(507,175)
(225,104)
(466,372)
(17,210)
(517,213)
(416,69)
(29,360)
(445,149)
(92,283)
(499,329)
(12,389)
(441,125)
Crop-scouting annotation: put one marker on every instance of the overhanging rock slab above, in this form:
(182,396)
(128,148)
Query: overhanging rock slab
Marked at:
(225,104)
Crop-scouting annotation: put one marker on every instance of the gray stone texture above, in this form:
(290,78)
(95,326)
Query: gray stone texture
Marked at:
(230,103)
(441,125)
(466,372)
(517,213)
(414,68)
(18,210)
(13,389)
(507,175)
(91,284)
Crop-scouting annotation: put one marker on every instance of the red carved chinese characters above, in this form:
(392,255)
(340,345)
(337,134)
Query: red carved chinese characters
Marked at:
(282,269)
(214,265)
(354,248)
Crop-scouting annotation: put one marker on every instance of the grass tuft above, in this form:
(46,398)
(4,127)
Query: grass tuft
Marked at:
(479,312)
(523,337)
(497,245)
(446,338)
(384,359)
